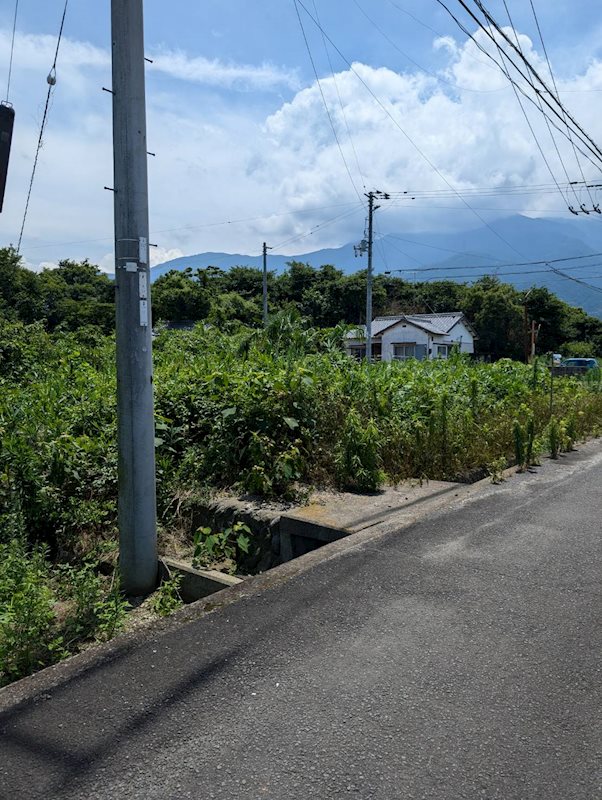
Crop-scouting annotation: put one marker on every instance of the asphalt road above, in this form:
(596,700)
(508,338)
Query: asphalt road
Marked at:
(458,658)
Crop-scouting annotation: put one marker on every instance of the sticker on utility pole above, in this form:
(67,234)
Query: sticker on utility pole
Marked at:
(142,286)
(144,313)
(143,250)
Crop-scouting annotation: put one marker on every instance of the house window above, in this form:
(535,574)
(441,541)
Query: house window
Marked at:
(357,351)
(441,350)
(402,352)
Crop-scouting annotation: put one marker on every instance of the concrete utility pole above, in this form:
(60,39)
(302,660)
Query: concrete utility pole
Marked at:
(135,418)
(366,246)
(265,284)
(371,210)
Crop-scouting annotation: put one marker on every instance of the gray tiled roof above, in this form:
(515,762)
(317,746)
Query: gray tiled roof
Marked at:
(433,323)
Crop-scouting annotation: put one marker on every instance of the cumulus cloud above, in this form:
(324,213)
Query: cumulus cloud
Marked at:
(282,174)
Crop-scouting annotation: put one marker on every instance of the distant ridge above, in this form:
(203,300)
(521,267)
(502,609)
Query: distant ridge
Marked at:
(453,255)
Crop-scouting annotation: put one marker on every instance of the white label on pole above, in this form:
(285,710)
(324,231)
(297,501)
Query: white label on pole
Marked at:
(143,254)
(144,313)
(131,266)
(142,285)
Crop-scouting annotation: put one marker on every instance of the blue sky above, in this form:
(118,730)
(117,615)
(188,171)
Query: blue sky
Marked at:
(240,130)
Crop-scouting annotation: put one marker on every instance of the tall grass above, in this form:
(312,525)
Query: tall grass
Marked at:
(257,412)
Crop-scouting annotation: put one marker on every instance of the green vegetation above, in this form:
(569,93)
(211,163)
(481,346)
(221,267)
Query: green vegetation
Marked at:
(167,598)
(269,413)
(220,546)
(49,611)
(78,296)
(255,412)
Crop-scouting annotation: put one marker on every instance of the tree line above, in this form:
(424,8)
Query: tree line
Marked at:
(78,294)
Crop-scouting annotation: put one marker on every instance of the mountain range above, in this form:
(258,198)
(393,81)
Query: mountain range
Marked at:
(502,247)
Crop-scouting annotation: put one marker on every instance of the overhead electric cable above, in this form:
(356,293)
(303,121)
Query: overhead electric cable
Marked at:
(576,280)
(545,50)
(200,227)
(51,83)
(12,50)
(320,225)
(565,113)
(330,119)
(539,103)
(336,86)
(510,264)
(436,32)
(402,131)
(416,64)
(465,30)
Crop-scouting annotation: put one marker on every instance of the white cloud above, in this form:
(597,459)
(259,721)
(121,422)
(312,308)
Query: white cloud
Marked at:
(213,72)
(35,53)
(225,163)
(160,254)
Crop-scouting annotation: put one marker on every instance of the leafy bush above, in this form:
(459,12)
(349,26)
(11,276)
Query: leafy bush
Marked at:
(167,598)
(265,412)
(358,460)
(210,547)
(28,637)
(47,612)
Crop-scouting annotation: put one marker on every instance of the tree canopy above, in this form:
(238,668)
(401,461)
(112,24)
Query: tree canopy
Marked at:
(77,295)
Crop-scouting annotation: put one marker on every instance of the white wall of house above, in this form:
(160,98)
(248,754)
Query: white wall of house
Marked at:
(461,333)
(403,333)
(425,344)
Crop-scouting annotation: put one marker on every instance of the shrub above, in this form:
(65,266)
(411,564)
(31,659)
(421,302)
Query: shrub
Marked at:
(167,598)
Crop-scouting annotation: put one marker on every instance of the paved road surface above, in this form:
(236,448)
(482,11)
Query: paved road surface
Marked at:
(456,659)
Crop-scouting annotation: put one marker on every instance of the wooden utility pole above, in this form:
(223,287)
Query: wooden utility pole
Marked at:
(135,417)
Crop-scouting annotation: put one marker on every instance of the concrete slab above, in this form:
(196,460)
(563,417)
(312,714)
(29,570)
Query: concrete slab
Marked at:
(196,583)
(331,516)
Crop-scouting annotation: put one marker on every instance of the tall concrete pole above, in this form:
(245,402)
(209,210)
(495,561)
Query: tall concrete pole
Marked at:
(265,284)
(135,419)
(370,197)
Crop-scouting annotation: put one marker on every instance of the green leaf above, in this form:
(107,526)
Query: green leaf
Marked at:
(228,412)
(292,423)
(243,543)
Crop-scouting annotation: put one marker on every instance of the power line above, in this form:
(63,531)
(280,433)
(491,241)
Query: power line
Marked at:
(336,86)
(537,142)
(334,131)
(12,50)
(465,30)
(545,50)
(199,227)
(51,84)
(412,61)
(440,35)
(403,132)
(565,113)
(577,280)
(547,261)
(320,225)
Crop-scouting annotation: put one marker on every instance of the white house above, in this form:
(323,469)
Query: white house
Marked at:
(420,336)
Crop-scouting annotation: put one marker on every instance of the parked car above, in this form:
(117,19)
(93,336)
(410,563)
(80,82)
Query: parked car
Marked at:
(587,363)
